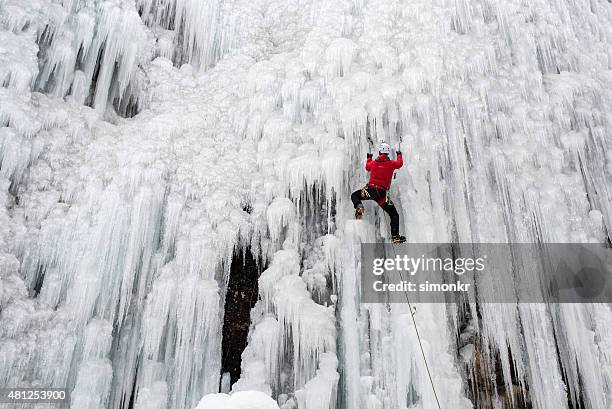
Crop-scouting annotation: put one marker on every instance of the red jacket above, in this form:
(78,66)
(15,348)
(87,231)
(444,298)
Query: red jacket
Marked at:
(381,170)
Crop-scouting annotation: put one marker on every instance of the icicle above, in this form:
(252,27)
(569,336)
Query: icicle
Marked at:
(253,378)
(347,277)
(302,175)
(340,53)
(285,262)
(309,325)
(320,391)
(61,60)
(545,391)
(93,385)
(260,359)
(333,164)
(384,57)
(95,373)
(15,155)
(290,90)
(578,340)
(18,62)
(354,123)
(185,309)
(280,213)
(155,397)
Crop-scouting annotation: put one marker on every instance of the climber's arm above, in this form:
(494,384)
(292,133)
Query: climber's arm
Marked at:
(369,162)
(399,162)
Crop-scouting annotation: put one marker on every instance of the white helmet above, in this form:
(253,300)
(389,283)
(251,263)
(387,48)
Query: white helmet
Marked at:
(384,148)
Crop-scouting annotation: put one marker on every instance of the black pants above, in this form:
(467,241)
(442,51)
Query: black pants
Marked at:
(380,197)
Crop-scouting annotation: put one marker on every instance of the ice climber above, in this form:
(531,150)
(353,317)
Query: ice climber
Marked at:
(381,172)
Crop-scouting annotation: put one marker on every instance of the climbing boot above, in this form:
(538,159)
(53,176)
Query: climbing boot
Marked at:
(359,212)
(398,239)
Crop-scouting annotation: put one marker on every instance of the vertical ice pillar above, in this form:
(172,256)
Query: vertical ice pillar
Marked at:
(94,374)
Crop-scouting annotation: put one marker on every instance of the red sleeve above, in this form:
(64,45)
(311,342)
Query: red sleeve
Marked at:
(399,162)
(369,164)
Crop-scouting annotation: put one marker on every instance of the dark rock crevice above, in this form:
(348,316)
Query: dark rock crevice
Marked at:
(242,292)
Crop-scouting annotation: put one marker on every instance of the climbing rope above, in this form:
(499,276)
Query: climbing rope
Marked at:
(416,329)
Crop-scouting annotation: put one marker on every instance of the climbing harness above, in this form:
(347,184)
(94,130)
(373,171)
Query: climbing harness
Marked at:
(364,192)
(416,329)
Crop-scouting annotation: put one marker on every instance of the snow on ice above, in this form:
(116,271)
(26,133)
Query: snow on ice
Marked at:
(238,400)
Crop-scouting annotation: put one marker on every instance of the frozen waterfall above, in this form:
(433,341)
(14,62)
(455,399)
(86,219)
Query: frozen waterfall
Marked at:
(145,143)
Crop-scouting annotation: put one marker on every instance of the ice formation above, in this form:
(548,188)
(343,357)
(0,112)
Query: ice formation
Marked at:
(238,400)
(144,142)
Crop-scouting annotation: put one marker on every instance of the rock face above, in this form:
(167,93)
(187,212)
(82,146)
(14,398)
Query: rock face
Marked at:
(239,300)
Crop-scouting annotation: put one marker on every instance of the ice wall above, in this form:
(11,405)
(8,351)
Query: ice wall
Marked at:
(253,121)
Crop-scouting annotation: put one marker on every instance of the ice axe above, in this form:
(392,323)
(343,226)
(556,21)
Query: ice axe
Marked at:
(399,149)
(370,142)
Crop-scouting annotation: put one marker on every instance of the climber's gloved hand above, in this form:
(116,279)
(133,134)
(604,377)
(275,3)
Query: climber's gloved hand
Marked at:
(398,152)
(370,156)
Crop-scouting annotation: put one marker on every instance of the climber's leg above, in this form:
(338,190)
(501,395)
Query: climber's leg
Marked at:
(390,209)
(356,198)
